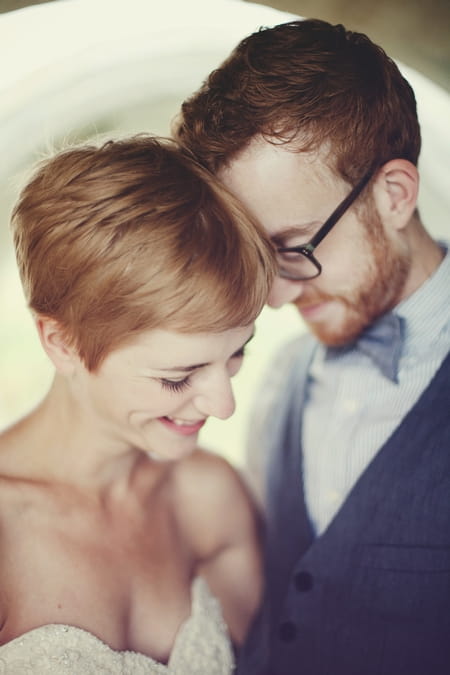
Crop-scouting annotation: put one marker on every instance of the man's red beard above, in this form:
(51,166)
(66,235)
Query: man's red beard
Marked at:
(380,290)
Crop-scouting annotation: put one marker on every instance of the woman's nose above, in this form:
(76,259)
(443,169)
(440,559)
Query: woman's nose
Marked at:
(216,398)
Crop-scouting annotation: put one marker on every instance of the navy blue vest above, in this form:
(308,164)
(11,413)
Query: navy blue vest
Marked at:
(371,596)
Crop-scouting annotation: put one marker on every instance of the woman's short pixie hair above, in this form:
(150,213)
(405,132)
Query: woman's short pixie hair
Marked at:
(311,83)
(131,235)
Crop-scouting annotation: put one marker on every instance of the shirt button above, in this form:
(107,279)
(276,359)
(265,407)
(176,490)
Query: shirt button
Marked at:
(350,406)
(288,631)
(303,581)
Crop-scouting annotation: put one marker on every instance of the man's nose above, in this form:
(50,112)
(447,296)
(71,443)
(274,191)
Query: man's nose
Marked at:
(283,291)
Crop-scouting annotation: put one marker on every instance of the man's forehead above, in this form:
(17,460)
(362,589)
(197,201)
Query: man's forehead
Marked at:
(263,155)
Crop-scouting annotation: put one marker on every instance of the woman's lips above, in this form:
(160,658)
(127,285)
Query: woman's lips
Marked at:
(182,427)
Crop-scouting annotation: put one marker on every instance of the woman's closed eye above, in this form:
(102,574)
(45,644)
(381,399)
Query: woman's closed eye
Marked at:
(175,386)
(239,354)
(178,386)
(235,362)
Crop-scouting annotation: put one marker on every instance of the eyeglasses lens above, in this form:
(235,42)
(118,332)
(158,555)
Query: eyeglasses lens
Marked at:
(297,266)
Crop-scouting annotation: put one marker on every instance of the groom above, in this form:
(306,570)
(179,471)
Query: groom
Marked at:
(315,130)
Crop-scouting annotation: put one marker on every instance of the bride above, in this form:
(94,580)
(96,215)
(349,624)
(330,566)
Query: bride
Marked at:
(124,548)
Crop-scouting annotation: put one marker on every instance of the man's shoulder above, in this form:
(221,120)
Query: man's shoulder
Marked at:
(290,361)
(291,349)
(281,384)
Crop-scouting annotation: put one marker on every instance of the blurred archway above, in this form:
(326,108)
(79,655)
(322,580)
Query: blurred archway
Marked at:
(77,68)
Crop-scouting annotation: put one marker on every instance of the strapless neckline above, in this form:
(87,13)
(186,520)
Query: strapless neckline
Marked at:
(201,646)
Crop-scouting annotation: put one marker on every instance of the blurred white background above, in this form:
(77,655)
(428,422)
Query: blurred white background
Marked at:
(73,69)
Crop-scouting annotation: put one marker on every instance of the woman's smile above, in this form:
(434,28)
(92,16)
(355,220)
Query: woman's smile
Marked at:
(182,427)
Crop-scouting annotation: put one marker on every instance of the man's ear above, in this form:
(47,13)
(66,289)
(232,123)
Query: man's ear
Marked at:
(51,335)
(395,192)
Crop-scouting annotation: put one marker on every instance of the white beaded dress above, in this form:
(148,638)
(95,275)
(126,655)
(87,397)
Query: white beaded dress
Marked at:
(202,647)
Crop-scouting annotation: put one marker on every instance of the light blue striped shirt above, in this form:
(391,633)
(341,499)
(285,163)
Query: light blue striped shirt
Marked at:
(352,408)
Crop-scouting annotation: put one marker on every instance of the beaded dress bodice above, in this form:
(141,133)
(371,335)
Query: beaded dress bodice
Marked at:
(202,647)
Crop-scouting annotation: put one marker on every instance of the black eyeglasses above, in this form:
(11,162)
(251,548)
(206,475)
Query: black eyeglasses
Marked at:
(298,263)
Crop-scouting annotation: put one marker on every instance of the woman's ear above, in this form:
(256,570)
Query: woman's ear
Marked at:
(51,335)
(395,191)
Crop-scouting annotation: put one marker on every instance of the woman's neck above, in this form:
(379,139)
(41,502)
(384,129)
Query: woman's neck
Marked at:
(61,442)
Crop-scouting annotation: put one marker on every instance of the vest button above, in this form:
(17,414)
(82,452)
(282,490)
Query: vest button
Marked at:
(303,581)
(288,631)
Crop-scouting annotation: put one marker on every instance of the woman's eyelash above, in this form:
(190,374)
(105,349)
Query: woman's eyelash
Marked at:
(176,386)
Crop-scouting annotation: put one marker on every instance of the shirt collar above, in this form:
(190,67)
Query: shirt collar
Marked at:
(426,312)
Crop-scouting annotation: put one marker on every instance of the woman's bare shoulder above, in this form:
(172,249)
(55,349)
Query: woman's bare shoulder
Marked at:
(222,526)
(206,477)
(14,439)
(10,446)
(212,500)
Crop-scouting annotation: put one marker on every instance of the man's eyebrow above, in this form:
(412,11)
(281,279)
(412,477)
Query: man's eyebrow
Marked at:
(294,230)
(196,366)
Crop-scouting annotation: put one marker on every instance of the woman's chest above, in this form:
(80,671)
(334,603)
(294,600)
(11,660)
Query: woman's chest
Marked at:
(126,580)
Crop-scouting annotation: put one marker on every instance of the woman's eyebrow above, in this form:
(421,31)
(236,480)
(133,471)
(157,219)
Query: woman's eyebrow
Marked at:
(184,369)
(189,369)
